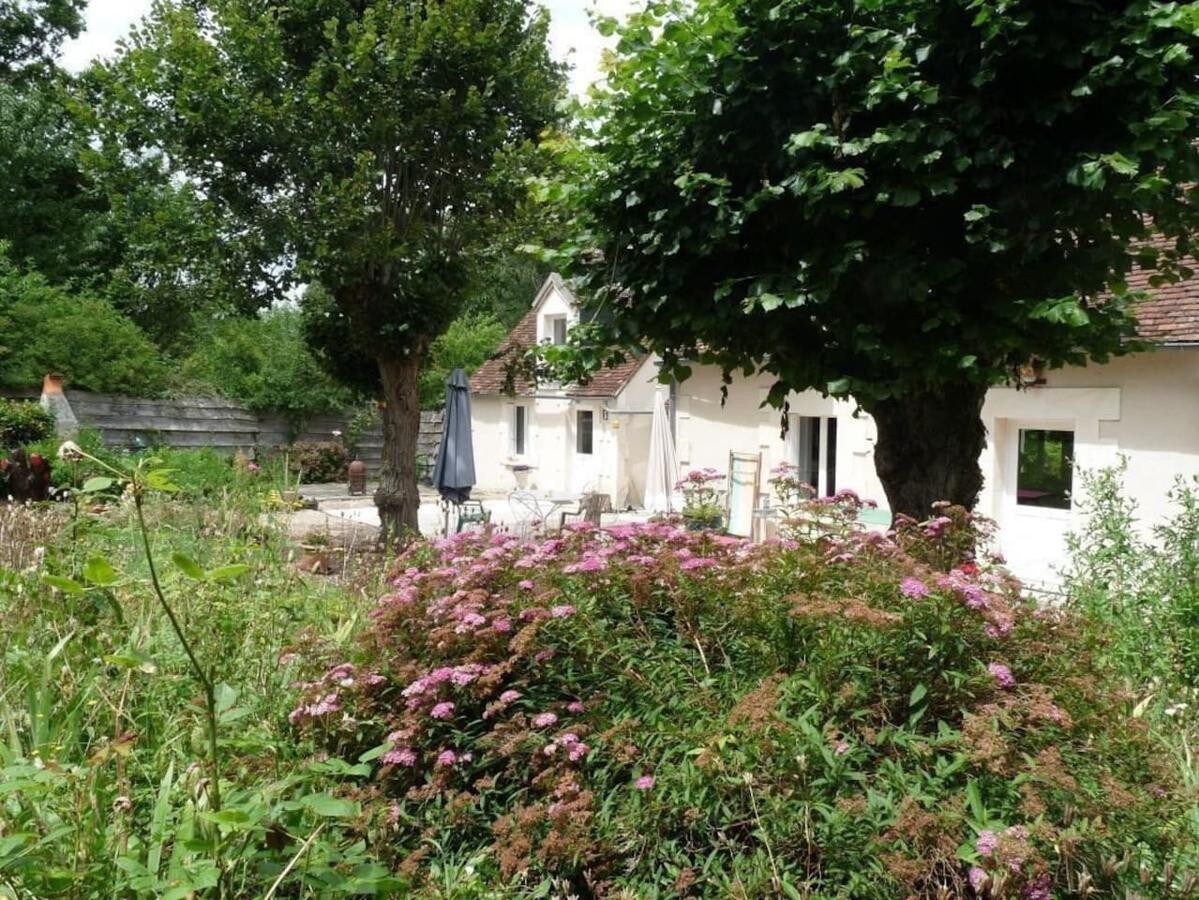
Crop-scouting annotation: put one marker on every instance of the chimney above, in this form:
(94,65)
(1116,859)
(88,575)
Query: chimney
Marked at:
(55,402)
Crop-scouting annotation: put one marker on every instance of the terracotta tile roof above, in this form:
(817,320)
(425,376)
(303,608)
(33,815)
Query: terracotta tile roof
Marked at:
(489,378)
(1171,313)
(610,381)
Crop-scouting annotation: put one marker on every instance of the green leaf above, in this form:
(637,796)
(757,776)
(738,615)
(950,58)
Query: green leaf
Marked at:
(224,573)
(97,484)
(1119,163)
(769,301)
(376,752)
(226,696)
(187,566)
(99,571)
(806,139)
(918,693)
(975,800)
(133,659)
(159,480)
(234,819)
(68,585)
(329,806)
(905,196)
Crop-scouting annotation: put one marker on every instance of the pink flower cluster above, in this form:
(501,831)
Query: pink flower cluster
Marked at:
(570,744)
(698,478)
(329,703)
(400,756)
(452,758)
(325,694)
(427,686)
(1002,675)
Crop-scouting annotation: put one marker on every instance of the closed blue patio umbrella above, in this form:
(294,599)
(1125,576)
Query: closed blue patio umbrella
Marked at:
(454,470)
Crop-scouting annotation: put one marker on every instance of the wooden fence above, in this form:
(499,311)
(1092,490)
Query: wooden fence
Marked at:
(224,425)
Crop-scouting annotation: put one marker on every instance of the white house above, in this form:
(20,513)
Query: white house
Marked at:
(1144,406)
(562,438)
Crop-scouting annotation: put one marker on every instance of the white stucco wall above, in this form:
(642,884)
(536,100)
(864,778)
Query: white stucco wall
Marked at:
(1158,425)
(708,431)
(1143,407)
(638,394)
(490,439)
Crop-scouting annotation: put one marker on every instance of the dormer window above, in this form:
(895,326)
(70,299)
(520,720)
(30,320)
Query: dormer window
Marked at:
(555,330)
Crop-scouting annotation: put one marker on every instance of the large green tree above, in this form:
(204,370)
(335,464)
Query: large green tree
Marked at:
(364,144)
(53,220)
(900,201)
(31,33)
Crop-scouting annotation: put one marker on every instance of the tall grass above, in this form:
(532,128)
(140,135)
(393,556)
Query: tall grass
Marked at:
(1140,579)
(104,787)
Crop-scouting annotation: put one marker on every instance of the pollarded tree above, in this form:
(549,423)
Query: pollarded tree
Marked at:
(365,146)
(900,201)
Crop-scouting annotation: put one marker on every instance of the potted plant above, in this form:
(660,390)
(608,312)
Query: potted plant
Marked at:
(701,490)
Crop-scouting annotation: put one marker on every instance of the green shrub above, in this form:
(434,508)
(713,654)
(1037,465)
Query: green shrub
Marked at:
(205,472)
(265,364)
(44,328)
(318,462)
(1144,583)
(657,712)
(23,422)
(70,473)
(467,343)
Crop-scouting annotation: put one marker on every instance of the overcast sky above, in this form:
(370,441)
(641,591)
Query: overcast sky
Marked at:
(571,34)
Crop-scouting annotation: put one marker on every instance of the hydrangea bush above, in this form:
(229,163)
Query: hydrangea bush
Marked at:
(669,713)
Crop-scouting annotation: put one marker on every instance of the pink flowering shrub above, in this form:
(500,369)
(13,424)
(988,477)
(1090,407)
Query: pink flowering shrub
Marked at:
(701,489)
(670,713)
(951,536)
(806,516)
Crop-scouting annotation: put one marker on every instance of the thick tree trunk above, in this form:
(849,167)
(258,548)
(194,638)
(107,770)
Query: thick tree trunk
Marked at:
(397,497)
(928,448)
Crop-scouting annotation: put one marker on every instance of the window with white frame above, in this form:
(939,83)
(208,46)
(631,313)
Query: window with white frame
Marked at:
(520,429)
(1045,468)
(555,330)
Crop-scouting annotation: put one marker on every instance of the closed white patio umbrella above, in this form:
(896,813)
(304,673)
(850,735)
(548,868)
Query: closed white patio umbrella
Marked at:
(662,473)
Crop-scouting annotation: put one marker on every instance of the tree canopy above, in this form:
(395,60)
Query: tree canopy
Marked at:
(53,218)
(901,201)
(368,148)
(44,328)
(31,33)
